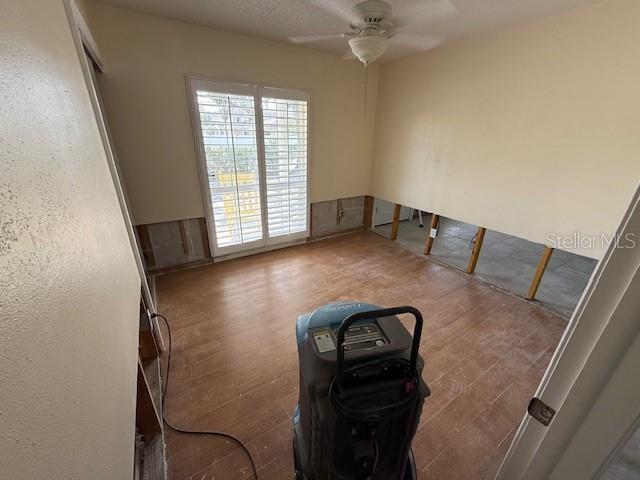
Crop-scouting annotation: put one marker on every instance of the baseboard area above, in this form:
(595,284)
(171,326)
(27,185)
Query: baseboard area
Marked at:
(178,244)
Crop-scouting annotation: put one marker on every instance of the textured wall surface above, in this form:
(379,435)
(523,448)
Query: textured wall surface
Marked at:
(527,130)
(146,59)
(68,281)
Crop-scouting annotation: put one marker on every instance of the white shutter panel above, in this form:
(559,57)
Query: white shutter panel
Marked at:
(285,152)
(228,129)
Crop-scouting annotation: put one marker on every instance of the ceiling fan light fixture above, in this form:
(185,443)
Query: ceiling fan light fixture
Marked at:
(369,47)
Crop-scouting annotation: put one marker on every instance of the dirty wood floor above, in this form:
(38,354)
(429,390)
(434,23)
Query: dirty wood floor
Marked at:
(234,365)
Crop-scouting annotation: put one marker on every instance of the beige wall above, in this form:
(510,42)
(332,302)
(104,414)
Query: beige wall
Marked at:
(146,59)
(83,8)
(527,130)
(70,289)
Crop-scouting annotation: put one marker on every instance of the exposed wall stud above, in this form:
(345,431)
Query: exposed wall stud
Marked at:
(146,344)
(148,419)
(145,245)
(368,212)
(537,278)
(431,234)
(183,236)
(475,252)
(205,237)
(396,220)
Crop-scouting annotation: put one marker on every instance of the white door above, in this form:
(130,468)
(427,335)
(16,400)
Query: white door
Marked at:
(226,117)
(592,380)
(253,152)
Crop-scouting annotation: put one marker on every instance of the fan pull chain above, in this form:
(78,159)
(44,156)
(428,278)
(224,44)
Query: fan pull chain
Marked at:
(366,81)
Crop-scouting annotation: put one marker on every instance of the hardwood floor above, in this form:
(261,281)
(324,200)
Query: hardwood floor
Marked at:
(234,365)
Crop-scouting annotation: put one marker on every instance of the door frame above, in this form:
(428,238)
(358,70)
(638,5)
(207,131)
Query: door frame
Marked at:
(267,244)
(83,39)
(232,89)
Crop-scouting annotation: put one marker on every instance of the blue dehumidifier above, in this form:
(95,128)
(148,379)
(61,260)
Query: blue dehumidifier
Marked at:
(361,393)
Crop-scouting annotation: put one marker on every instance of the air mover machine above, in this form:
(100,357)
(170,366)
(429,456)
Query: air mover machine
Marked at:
(361,393)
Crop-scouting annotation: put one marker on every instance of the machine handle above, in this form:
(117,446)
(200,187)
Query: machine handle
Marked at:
(385,312)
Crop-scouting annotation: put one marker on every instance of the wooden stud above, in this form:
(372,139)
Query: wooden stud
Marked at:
(396,220)
(537,278)
(147,345)
(368,212)
(148,419)
(475,252)
(205,237)
(183,236)
(145,245)
(435,221)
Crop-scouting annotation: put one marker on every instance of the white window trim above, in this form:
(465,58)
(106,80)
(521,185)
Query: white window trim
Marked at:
(257,90)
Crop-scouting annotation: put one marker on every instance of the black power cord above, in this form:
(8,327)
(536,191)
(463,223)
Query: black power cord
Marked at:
(196,432)
(473,240)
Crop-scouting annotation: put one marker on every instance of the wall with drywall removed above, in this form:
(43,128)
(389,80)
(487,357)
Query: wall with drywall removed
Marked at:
(70,288)
(146,59)
(527,130)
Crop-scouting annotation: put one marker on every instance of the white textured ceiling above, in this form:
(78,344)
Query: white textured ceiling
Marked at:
(279,20)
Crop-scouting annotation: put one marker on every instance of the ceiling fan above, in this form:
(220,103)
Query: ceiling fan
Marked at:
(373,27)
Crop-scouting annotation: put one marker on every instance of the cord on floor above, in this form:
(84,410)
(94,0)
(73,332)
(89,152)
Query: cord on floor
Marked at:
(214,433)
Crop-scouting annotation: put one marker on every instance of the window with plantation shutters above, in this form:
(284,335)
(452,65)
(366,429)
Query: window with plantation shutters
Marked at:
(231,156)
(285,154)
(253,150)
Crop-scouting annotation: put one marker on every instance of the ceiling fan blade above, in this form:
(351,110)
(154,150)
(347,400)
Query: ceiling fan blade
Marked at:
(315,38)
(339,9)
(416,42)
(422,11)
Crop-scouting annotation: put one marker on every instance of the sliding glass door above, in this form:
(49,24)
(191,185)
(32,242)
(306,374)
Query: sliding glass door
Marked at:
(227,127)
(253,152)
